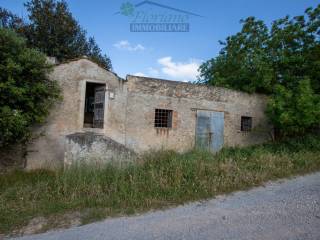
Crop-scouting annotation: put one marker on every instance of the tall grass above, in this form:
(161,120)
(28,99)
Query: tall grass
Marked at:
(160,179)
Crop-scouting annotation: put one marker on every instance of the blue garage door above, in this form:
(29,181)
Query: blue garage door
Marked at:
(209,130)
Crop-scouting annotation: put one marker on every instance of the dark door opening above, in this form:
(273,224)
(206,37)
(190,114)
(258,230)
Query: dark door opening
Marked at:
(94,105)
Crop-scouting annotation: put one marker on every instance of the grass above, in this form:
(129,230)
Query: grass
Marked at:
(160,179)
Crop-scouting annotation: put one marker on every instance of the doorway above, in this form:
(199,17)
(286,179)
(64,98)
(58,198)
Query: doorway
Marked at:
(210,130)
(94,105)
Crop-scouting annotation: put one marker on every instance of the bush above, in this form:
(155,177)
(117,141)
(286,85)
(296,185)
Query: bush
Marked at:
(26,93)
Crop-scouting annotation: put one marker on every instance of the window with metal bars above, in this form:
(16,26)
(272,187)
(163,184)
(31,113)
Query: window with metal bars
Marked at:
(163,118)
(246,124)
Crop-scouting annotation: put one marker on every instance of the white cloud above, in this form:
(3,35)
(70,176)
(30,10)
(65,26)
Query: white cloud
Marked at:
(140,74)
(180,71)
(126,45)
(152,72)
(184,71)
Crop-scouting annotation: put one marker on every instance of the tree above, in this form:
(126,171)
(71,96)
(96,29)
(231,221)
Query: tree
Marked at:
(12,21)
(94,53)
(26,93)
(282,62)
(53,30)
(243,62)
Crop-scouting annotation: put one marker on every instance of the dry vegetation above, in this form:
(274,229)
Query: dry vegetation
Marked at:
(161,179)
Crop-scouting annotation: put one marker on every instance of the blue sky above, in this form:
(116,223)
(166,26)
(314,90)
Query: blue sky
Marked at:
(175,55)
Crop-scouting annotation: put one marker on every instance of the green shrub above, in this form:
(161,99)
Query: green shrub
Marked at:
(26,93)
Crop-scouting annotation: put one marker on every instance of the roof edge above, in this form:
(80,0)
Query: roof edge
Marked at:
(88,59)
(193,84)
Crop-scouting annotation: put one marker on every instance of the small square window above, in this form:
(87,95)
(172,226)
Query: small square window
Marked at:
(246,124)
(163,118)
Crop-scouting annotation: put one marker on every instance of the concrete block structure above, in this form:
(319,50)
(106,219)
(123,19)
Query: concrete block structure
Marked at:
(141,114)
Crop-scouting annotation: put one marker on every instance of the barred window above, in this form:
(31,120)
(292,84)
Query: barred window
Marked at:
(163,118)
(246,124)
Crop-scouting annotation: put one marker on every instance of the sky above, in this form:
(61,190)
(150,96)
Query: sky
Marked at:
(167,55)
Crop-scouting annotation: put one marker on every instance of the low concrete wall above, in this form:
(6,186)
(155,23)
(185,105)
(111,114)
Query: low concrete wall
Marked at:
(96,149)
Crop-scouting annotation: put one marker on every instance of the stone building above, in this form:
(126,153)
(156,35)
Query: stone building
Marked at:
(103,117)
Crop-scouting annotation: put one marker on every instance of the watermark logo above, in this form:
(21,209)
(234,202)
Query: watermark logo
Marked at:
(149,16)
(127,9)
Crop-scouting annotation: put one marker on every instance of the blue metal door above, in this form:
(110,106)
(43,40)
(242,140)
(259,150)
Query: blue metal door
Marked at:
(209,130)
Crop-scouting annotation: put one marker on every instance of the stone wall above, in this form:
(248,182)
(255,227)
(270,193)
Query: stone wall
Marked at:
(146,94)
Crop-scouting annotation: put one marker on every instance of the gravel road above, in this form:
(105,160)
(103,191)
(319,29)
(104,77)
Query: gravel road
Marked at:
(281,210)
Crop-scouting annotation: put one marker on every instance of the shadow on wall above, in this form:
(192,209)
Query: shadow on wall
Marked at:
(96,149)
